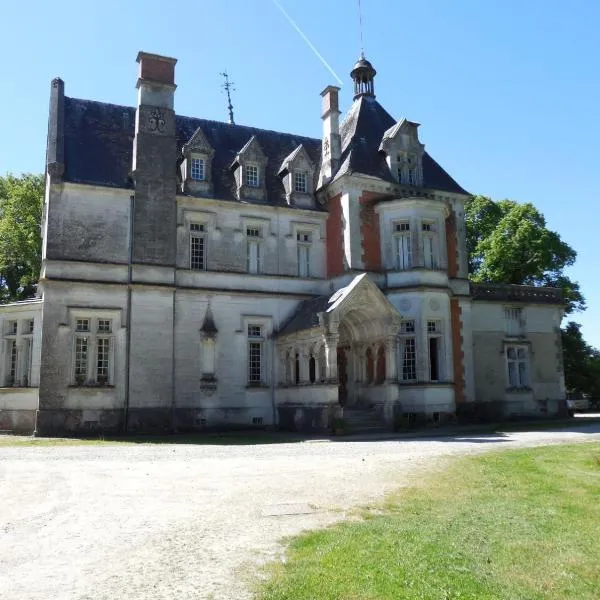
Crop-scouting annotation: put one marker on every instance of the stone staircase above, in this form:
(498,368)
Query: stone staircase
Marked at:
(363,420)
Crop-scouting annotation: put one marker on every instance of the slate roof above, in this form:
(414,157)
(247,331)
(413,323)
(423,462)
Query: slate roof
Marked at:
(99,146)
(361,133)
(306,315)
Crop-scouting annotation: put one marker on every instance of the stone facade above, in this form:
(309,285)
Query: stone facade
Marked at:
(200,275)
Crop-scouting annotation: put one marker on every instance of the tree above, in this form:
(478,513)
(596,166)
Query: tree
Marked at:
(508,242)
(582,363)
(21,202)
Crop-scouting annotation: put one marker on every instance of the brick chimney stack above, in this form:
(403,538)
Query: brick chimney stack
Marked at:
(331,145)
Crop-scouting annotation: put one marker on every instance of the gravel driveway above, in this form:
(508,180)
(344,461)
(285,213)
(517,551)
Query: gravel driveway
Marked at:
(143,522)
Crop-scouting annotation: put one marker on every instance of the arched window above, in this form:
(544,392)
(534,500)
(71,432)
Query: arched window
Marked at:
(370,366)
(312,369)
(380,365)
(297,369)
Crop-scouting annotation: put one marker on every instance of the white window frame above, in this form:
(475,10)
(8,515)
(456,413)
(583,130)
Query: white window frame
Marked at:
(515,322)
(252,175)
(197,168)
(434,328)
(256,341)
(301,182)
(429,244)
(254,258)
(197,230)
(303,252)
(407,336)
(402,245)
(93,337)
(18,351)
(516,377)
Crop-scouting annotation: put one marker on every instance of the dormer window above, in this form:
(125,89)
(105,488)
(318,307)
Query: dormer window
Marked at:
(197,171)
(251,178)
(196,165)
(404,152)
(300,182)
(297,172)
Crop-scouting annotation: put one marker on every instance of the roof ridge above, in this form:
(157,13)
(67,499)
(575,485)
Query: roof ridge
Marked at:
(177,115)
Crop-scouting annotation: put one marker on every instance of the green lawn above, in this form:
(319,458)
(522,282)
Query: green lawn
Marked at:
(507,525)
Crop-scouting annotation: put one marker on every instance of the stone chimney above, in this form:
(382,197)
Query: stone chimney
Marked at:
(331,146)
(154,162)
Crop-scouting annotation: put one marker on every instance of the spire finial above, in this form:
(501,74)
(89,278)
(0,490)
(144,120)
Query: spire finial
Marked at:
(360,26)
(227,86)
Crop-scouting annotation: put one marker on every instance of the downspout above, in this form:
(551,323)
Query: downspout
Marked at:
(173,386)
(128,322)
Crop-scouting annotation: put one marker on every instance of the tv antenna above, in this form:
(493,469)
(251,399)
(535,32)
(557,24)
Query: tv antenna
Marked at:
(228,87)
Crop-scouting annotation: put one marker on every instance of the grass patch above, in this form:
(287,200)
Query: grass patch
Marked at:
(508,525)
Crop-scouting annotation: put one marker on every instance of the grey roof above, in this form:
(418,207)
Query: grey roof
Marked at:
(362,131)
(99,146)
(306,315)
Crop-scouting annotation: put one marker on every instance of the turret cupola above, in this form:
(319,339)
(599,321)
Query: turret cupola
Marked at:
(363,74)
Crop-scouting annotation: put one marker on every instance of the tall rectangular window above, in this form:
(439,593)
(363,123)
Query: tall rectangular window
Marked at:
(253,249)
(197,247)
(517,363)
(300,182)
(434,344)
(304,241)
(251,176)
(93,351)
(197,169)
(428,245)
(407,351)
(255,354)
(402,242)
(81,360)
(514,321)
(18,348)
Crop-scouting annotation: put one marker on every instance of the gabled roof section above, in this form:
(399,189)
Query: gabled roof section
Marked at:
(299,152)
(362,131)
(198,142)
(251,148)
(98,141)
(392,132)
(311,312)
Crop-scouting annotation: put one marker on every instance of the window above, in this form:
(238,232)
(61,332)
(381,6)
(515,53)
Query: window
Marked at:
(251,176)
(197,247)
(403,245)
(18,350)
(255,354)
(408,354)
(304,240)
(514,321)
(370,366)
(254,249)
(434,342)
(197,169)
(300,182)
(93,351)
(517,362)
(428,244)
(380,371)
(312,369)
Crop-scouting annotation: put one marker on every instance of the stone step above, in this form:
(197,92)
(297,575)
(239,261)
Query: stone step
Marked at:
(363,420)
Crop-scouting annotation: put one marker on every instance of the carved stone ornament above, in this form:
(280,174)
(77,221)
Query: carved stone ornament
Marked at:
(156,121)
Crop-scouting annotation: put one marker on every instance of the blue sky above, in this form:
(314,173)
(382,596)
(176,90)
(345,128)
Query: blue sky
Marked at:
(507,92)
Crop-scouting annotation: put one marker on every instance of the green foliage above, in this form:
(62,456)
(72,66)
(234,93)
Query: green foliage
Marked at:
(582,363)
(508,242)
(21,202)
(522,524)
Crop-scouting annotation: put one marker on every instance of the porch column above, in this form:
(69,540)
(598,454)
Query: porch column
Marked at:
(391,358)
(303,357)
(331,344)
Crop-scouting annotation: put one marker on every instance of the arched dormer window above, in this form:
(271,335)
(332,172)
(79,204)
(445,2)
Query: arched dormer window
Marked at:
(249,168)
(297,175)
